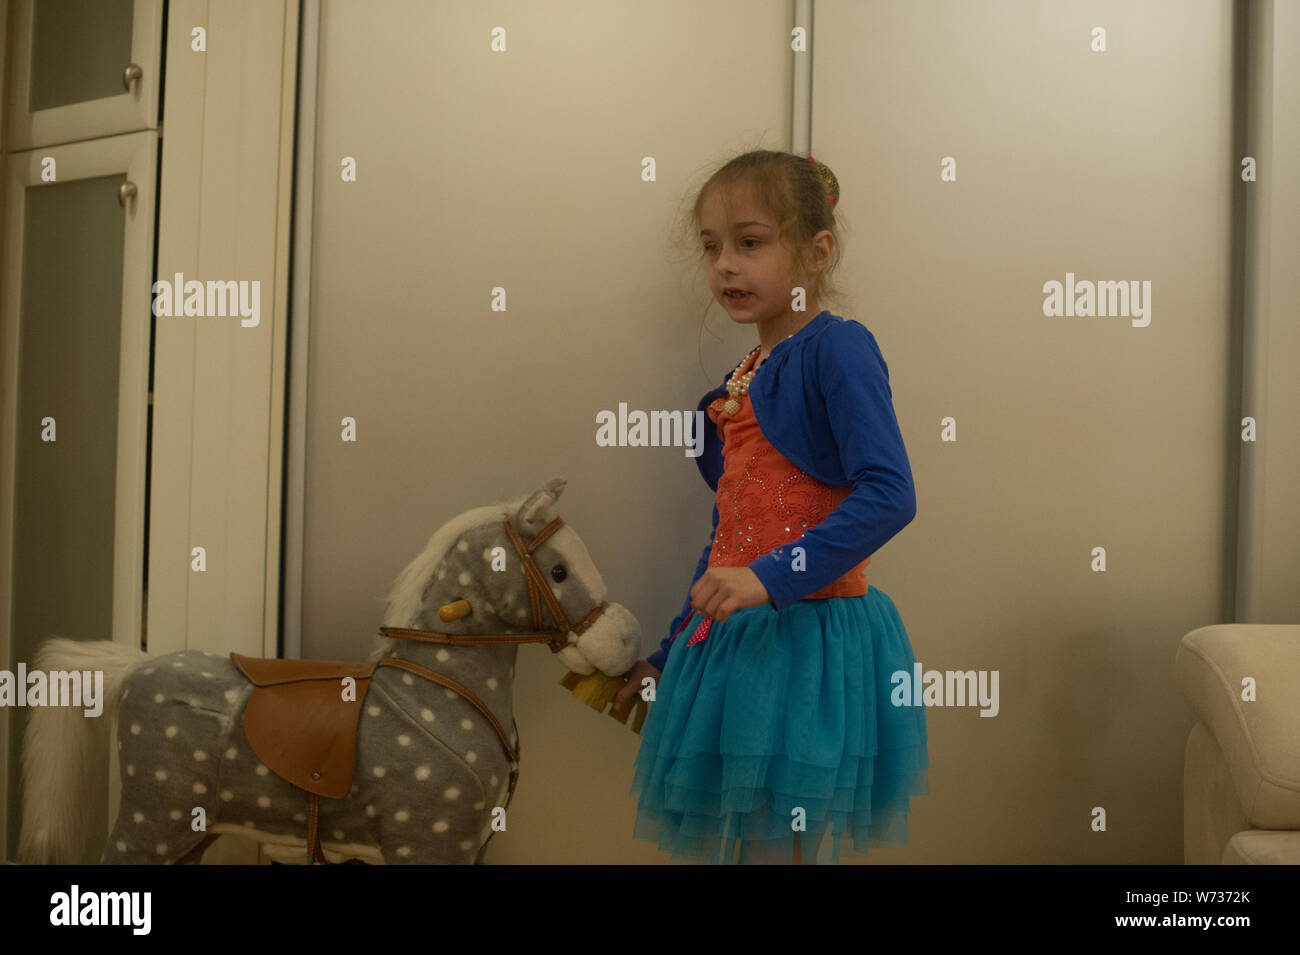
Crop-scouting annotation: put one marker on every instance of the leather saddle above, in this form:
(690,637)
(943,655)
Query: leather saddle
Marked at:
(298,722)
(303,729)
(300,725)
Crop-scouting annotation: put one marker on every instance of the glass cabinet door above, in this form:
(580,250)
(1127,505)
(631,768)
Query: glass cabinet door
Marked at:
(74,390)
(83,70)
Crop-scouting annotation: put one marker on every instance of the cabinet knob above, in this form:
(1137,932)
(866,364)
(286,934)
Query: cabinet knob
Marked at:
(130,75)
(125,191)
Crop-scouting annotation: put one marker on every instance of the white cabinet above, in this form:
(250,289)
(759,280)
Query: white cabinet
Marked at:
(81,105)
(83,70)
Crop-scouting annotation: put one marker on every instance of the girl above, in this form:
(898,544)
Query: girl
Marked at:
(773,721)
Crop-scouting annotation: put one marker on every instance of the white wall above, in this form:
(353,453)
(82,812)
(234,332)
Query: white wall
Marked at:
(522,169)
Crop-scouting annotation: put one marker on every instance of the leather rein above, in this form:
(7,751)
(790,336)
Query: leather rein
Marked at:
(538,591)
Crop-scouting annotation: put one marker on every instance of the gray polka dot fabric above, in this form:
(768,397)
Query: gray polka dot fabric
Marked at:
(429,769)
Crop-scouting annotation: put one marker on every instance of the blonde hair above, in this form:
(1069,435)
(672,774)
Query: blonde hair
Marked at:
(794,192)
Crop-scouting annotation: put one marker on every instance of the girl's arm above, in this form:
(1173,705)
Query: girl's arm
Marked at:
(660,656)
(854,383)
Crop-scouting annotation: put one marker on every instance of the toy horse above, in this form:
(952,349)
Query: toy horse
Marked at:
(415,753)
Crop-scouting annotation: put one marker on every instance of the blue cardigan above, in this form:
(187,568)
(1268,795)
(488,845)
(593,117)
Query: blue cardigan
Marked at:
(822,399)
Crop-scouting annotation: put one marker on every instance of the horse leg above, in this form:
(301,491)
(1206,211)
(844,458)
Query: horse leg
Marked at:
(125,847)
(195,856)
(151,841)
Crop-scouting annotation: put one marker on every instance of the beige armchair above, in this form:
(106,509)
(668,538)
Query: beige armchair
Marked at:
(1241,773)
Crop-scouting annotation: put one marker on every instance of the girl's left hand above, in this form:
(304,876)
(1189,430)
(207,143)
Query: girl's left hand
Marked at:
(721,590)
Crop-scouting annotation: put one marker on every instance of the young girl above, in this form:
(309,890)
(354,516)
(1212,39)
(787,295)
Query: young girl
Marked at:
(773,722)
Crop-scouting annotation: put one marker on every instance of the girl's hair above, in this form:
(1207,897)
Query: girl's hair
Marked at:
(792,191)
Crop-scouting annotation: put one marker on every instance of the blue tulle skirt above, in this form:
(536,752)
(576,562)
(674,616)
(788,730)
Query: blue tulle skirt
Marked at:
(775,712)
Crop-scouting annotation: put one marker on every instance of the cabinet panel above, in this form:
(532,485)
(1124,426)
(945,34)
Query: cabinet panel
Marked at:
(78,50)
(76,328)
(83,70)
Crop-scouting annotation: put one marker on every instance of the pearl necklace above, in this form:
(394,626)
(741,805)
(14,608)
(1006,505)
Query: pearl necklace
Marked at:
(737,387)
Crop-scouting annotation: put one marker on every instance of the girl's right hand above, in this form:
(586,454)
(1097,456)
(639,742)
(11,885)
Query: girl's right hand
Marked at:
(626,697)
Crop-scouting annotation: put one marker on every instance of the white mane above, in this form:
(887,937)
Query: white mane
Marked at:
(405,600)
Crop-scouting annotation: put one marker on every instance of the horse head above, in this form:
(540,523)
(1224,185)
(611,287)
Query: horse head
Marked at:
(470,579)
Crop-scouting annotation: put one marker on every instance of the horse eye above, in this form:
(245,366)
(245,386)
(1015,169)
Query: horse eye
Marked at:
(558,573)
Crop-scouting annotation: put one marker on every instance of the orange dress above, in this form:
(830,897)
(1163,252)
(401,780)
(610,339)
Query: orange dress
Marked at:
(765,502)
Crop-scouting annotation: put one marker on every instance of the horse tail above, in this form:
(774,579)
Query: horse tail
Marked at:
(61,748)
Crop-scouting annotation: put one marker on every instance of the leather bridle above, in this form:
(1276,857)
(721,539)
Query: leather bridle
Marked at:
(557,640)
(538,591)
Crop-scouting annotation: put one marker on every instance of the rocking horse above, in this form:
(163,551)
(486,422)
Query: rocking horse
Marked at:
(405,758)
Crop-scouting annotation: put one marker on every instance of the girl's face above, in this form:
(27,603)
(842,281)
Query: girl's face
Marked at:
(742,251)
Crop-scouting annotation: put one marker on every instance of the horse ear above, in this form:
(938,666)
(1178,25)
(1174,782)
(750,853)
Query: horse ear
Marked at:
(535,513)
